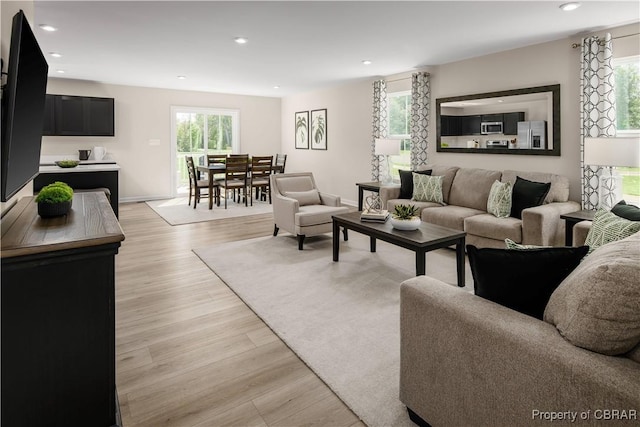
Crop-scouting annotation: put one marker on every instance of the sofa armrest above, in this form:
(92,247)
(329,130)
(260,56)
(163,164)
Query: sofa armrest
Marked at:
(542,225)
(284,211)
(580,231)
(465,360)
(388,192)
(330,199)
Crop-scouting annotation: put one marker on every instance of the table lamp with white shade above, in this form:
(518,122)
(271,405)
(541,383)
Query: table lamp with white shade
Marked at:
(387,147)
(611,152)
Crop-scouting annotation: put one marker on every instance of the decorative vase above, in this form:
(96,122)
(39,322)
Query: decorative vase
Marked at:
(50,210)
(406,224)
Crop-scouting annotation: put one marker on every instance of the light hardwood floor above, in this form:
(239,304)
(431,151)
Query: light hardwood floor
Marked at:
(189,352)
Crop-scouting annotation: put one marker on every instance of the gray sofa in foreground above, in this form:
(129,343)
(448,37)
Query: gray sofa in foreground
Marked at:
(465,193)
(467,361)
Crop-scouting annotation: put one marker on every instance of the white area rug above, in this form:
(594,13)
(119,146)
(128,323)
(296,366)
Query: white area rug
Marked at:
(342,318)
(177,211)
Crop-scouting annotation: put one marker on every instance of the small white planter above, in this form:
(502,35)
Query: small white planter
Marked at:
(405,224)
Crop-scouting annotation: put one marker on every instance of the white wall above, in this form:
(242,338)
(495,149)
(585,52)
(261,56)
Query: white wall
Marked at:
(144,114)
(538,65)
(347,158)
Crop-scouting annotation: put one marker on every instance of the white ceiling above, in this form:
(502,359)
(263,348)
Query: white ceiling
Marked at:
(297,45)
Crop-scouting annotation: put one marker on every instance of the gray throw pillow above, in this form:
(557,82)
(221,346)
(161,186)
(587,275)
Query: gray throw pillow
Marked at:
(309,197)
(596,306)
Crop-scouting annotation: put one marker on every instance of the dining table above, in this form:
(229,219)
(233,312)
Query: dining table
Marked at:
(213,168)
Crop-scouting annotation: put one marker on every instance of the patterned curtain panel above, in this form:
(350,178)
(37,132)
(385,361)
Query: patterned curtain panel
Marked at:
(598,110)
(379,125)
(420,107)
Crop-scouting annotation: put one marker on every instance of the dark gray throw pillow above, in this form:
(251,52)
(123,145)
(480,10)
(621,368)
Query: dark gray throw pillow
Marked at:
(623,210)
(522,280)
(406,182)
(527,194)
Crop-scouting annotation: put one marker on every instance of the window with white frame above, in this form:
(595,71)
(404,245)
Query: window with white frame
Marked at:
(627,89)
(399,114)
(201,131)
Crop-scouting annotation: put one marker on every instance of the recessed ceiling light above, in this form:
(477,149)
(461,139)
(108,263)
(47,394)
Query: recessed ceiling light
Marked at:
(366,62)
(276,87)
(241,40)
(182,77)
(570,6)
(48,27)
(55,54)
(60,71)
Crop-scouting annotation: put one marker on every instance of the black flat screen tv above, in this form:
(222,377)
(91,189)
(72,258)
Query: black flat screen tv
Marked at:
(23,99)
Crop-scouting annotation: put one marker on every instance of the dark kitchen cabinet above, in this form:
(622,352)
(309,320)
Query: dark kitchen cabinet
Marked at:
(492,118)
(79,116)
(470,125)
(510,124)
(450,126)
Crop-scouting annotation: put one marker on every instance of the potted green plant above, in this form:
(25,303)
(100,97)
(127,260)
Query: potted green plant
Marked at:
(404,217)
(54,200)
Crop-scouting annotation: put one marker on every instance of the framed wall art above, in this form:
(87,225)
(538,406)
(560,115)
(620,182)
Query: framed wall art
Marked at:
(319,129)
(302,130)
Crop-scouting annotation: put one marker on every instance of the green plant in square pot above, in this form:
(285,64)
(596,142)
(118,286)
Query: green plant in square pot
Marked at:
(404,218)
(54,200)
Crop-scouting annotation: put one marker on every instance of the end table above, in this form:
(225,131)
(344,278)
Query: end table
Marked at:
(571,219)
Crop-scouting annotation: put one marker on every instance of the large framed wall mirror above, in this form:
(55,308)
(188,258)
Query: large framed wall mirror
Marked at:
(520,121)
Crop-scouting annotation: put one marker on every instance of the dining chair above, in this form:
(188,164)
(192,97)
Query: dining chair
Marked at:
(235,177)
(197,185)
(260,170)
(280,163)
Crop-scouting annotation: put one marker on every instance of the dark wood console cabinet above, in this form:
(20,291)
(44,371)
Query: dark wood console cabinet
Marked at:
(58,315)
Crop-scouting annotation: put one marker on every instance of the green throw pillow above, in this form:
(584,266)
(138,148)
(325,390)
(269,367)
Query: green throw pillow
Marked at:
(510,244)
(499,202)
(427,188)
(608,227)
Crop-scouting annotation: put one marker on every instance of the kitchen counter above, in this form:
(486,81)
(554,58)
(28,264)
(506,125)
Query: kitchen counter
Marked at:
(86,167)
(83,177)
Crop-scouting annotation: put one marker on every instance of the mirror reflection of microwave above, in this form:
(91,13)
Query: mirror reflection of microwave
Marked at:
(488,128)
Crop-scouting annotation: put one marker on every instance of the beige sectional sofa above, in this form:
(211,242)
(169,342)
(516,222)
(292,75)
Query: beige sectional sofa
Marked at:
(468,361)
(465,193)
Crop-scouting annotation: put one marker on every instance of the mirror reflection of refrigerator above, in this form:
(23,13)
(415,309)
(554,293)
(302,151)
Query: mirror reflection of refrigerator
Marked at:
(532,135)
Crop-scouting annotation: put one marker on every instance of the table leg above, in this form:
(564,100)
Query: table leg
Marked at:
(210,189)
(360,197)
(568,232)
(460,262)
(372,244)
(420,263)
(336,240)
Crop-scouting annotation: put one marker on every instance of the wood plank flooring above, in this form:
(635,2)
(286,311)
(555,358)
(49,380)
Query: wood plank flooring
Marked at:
(189,351)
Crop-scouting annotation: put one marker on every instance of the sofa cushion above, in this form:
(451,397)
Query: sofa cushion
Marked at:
(317,214)
(527,194)
(295,183)
(559,190)
(406,182)
(449,216)
(623,210)
(596,306)
(608,227)
(471,187)
(522,280)
(309,197)
(487,225)
(499,201)
(427,188)
(391,205)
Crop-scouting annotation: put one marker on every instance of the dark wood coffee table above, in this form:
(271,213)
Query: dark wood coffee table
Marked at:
(426,238)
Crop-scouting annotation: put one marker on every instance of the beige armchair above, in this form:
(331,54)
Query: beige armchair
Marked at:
(299,208)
